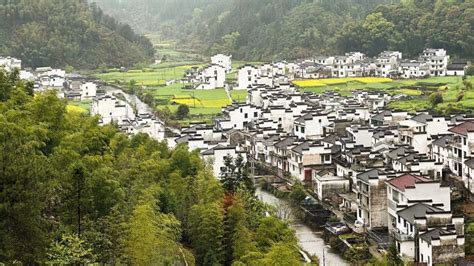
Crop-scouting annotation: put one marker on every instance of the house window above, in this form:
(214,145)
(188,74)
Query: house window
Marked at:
(241,110)
(255,114)
(319,120)
(246,115)
(302,129)
(421,257)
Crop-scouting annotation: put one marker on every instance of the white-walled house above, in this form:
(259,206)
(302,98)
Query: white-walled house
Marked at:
(462,146)
(223,60)
(10,63)
(237,116)
(88,90)
(311,126)
(247,76)
(110,109)
(418,232)
(408,188)
(307,154)
(216,156)
(413,69)
(210,77)
(437,61)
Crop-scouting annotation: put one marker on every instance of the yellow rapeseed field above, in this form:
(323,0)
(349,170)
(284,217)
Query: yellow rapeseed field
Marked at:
(217,103)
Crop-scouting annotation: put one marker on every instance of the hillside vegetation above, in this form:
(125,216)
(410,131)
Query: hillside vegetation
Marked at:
(68,32)
(288,29)
(75,193)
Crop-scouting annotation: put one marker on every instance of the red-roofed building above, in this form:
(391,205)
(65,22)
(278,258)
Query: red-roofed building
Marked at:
(409,189)
(461,148)
(407,180)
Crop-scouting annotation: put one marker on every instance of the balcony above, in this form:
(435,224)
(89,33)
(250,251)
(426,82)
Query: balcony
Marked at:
(402,236)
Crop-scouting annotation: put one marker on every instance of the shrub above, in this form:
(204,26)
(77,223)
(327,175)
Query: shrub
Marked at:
(469,71)
(435,98)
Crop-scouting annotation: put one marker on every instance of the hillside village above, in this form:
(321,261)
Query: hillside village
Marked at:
(388,64)
(388,168)
(394,172)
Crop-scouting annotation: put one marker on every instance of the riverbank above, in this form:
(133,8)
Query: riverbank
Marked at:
(309,240)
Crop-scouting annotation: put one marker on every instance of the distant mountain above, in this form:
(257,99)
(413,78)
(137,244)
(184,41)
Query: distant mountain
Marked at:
(275,29)
(68,32)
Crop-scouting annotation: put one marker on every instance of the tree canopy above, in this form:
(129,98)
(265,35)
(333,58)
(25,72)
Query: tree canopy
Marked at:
(72,192)
(289,29)
(62,33)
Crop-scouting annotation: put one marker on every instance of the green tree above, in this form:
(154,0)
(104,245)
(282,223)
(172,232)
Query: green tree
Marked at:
(469,70)
(70,250)
(206,232)
(182,112)
(235,175)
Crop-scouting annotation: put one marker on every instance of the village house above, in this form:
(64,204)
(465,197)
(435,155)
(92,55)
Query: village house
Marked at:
(327,185)
(216,157)
(305,155)
(88,90)
(372,198)
(9,64)
(410,188)
(210,77)
(437,61)
(419,230)
(311,126)
(462,145)
(247,76)
(223,60)
(110,109)
(457,67)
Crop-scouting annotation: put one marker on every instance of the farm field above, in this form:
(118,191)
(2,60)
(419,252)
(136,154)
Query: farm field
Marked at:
(339,81)
(199,101)
(79,107)
(155,75)
(239,95)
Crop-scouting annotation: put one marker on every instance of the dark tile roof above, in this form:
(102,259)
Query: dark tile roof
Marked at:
(422,118)
(285,142)
(470,163)
(435,233)
(418,210)
(370,174)
(443,141)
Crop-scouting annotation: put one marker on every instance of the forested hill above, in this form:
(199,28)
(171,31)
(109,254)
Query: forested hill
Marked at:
(68,32)
(274,29)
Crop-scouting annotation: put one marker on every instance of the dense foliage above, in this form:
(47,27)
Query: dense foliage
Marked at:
(72,192)
(412,26)
(275,29)
(64,33)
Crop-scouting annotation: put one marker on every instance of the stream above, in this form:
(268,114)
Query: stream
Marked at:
(309,241)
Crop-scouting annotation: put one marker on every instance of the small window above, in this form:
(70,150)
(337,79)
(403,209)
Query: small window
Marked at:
(255,114)
(241,110)
(302,129)
(246,115)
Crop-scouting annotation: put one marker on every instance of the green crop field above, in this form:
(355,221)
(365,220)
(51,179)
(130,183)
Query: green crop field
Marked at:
(239,95)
